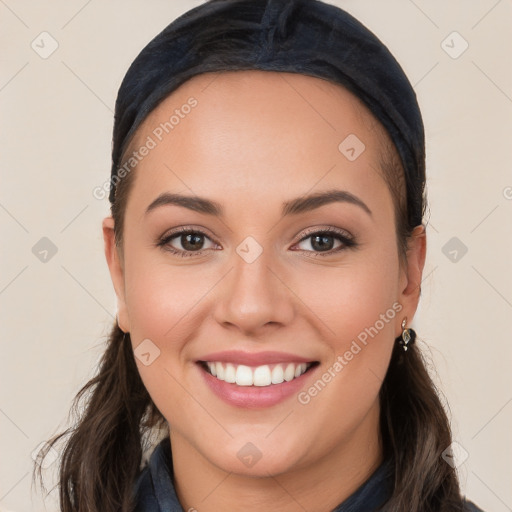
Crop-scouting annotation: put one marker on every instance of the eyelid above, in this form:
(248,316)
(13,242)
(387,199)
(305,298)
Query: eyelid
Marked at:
(327,229)
(186,229)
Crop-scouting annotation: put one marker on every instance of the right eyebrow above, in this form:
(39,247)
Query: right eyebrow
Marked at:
(197,204)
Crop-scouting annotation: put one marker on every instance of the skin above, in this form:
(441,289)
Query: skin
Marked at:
(255,140)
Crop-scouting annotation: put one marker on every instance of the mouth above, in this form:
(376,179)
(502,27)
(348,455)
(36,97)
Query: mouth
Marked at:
(256,376)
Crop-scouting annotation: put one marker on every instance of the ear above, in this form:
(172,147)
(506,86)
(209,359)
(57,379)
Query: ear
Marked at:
(410,280)
(115,265)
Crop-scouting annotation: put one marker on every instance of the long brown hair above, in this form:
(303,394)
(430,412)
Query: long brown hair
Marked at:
(116,420)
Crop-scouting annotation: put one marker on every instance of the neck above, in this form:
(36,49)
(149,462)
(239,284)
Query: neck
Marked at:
(321,485)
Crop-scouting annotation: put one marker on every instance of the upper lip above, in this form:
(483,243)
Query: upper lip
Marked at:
(253,358)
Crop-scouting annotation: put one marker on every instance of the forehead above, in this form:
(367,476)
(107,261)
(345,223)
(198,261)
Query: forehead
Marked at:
(257,135)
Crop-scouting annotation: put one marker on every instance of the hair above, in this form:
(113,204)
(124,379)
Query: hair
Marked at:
(116,416)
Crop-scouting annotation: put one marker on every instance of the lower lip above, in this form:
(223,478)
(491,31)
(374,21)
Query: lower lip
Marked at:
(253,397)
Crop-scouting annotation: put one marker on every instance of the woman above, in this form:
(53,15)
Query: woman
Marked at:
(266,246)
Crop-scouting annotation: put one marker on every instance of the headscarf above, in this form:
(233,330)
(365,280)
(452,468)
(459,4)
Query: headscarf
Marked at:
(308,37)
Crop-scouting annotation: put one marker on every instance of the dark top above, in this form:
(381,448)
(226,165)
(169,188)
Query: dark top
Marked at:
(154,489)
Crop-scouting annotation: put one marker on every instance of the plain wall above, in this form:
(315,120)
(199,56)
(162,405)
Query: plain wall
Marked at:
(56,116)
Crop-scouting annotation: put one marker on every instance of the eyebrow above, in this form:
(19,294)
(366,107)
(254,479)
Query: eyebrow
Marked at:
(292,207)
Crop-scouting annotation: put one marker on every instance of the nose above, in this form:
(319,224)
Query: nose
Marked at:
(254,297)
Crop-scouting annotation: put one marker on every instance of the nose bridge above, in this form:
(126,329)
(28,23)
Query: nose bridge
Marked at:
(252,295)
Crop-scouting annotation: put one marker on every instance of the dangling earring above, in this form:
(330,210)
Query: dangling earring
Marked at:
(408,336)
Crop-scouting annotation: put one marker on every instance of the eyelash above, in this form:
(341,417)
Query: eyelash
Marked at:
(347,241)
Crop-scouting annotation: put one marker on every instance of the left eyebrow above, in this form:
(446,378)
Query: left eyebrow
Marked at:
(313,201)
(293,207)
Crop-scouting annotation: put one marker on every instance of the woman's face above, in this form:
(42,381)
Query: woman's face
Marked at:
(259,283)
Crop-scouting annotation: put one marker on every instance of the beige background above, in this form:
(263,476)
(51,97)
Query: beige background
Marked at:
(56,135)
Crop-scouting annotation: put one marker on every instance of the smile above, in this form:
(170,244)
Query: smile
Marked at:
(264,375)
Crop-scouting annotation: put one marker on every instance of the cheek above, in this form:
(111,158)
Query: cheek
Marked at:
(160,301)
(352,296)
(160,297)
(357,308)
(166,306)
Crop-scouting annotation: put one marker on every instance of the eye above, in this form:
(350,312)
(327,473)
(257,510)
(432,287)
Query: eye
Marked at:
(327,241)
(194,242)
(186,242)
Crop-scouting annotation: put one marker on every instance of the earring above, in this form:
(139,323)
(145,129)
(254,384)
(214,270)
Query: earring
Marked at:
(408,336)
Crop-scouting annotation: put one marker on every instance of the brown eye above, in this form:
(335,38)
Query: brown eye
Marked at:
(192,241)
(186,242)
(327,241)
(322,242)
(319,242)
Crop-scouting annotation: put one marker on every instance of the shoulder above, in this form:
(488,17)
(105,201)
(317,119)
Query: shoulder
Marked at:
(469,506)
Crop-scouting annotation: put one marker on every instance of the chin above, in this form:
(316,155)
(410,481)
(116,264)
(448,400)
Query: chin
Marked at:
(258,457)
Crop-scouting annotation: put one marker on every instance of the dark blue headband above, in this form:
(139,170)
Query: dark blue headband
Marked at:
(301,36)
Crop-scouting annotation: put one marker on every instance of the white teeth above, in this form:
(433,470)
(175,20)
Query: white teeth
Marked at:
(230,373)
(289,373)
(262,376)
(301,368)
(220,371)
(277,374)
(242,375)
